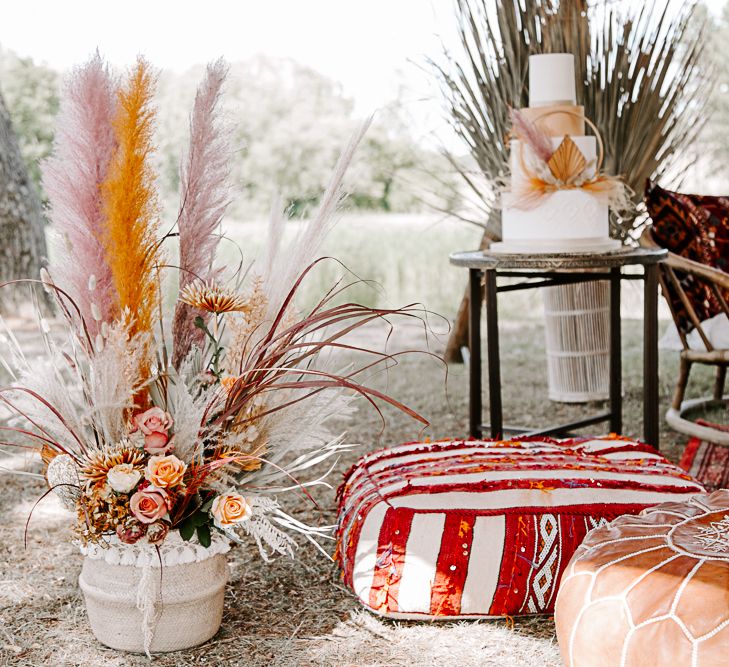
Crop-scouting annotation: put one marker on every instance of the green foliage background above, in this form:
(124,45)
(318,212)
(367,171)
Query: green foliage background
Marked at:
(289,123)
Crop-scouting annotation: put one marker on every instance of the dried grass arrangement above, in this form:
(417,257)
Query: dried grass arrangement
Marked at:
(173,440)
(640,72)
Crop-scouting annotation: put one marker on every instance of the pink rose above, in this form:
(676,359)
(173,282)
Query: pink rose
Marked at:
(154,420)
(131,533)
(158,443)
(149,504)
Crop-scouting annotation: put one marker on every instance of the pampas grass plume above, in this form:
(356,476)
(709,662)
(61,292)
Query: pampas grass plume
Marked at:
(529,133)
(72,177)
(130,202)
(205,193)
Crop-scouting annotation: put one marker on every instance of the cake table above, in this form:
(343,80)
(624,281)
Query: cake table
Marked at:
(546,270)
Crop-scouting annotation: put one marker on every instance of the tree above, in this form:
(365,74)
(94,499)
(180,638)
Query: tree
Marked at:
(291,123)
(31,96)
(715,136)
(22,241)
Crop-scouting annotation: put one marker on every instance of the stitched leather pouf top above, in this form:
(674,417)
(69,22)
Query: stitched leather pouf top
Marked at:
(650,590)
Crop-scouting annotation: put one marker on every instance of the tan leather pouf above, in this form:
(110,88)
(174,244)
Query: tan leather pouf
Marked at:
(650,590)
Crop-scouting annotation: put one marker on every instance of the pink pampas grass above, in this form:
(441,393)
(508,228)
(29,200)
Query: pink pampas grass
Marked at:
(84,144)
(205,192)
(529,133)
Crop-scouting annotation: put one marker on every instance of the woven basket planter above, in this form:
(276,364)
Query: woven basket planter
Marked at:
(577,330)
(142,609)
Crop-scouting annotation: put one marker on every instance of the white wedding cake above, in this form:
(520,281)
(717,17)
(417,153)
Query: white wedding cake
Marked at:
(557,201)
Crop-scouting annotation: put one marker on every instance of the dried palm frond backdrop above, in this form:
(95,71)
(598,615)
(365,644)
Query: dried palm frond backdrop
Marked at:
(640,76)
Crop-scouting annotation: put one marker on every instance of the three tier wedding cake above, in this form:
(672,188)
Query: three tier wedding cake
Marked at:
(557,200)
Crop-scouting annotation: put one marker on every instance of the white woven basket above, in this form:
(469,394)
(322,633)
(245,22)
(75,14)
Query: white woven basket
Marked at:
(143,608)
(577,329)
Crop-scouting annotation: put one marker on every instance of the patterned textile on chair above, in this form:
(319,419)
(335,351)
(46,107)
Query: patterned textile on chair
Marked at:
(474,528)
(707,462)
(695,227)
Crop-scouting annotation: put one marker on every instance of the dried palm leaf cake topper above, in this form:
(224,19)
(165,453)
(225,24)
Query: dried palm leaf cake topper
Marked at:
(567,162)
(558,199)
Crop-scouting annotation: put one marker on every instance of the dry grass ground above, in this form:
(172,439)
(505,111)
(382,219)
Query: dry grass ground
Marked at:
(296,613)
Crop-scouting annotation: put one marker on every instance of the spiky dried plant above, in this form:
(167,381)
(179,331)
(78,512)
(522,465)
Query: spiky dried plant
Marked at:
(640,75)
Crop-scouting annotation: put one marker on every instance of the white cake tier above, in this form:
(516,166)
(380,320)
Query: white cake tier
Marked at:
(551,79)
(566,221)
(519,152)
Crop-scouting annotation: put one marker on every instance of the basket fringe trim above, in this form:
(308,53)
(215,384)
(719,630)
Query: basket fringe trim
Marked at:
(148,592)
(173,551)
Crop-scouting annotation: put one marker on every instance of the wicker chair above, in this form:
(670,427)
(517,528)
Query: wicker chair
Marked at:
(718,282)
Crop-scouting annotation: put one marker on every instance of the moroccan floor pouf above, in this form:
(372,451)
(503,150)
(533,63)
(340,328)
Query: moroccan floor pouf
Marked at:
(473,529)
(651,589)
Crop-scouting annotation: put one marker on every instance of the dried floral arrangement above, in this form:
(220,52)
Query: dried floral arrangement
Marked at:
(198,429)
(548,170)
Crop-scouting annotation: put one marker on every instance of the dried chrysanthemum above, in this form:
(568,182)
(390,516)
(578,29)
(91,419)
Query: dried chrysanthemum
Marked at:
(100,463)
(212,298)
(47,454)
(246,457)
(100,512)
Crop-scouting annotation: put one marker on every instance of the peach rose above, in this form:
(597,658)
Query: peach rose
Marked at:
(229,509)
(164,472)
(154,420)
(149,504)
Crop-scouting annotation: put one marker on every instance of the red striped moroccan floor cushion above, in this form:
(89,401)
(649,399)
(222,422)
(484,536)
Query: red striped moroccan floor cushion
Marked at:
(477,529)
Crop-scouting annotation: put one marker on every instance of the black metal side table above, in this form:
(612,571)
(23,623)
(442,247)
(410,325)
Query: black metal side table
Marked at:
(560,269)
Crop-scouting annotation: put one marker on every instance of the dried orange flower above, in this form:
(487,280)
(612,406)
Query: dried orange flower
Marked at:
(213,298)
(227,382)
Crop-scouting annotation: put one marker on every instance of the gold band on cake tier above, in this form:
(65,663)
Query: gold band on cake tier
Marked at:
(561,119)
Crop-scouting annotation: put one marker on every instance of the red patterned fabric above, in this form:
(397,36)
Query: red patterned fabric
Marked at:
(695,227)
(707,461)
(480,528)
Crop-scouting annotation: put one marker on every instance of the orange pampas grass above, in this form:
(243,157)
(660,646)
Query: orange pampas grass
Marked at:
(130,202)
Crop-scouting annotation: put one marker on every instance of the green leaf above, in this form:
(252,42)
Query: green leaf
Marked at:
(187,529)
(200,518)
(203,535)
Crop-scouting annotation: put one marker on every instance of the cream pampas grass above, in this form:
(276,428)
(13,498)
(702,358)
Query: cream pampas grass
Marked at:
(205,192)
(285,262)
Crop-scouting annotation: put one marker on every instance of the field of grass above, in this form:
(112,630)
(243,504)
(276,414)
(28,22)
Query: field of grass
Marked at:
(405,256)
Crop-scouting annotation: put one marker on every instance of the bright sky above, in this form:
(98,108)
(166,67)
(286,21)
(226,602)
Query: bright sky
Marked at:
(364,44)
(367,45)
